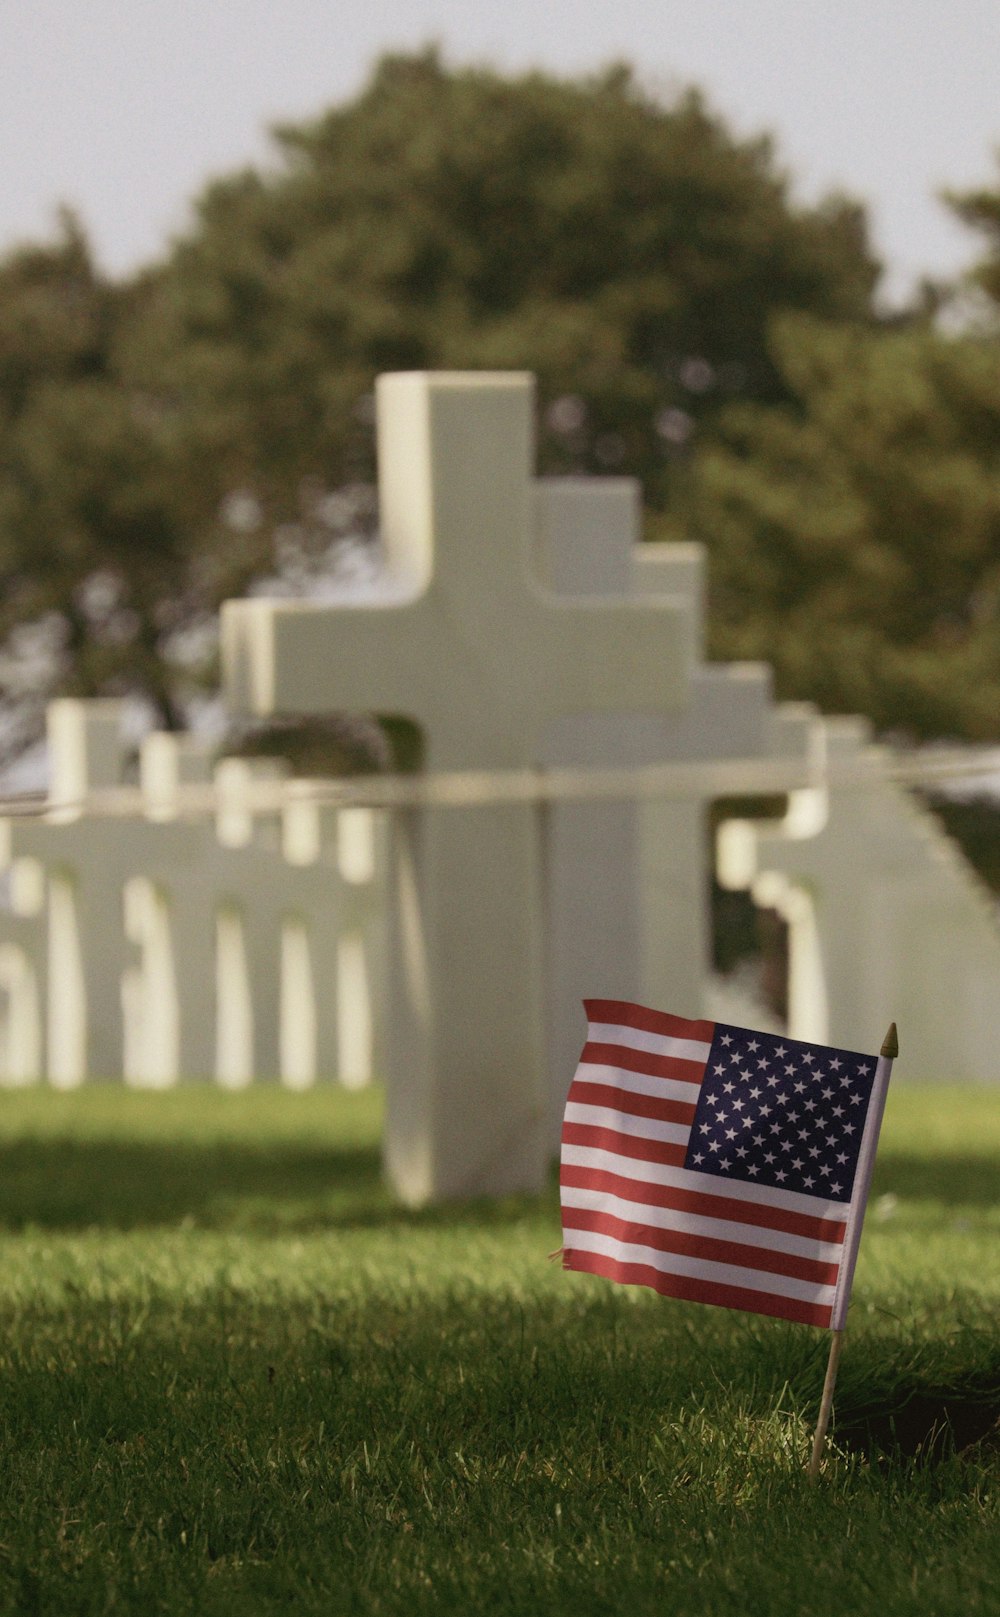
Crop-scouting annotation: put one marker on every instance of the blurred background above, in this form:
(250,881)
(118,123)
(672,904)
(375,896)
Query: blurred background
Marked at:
(752,252)
(753,256)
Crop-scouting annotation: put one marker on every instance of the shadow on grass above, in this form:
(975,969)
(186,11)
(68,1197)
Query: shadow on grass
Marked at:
(890,1409)
(72,1184)
(927,1424)
(264,1160)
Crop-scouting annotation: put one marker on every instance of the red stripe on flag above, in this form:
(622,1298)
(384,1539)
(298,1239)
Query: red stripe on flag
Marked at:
(708,1205)
(619,1055)
(618,1012)
(699,1291)
(622,1100)
(711,1248)
(624,1145)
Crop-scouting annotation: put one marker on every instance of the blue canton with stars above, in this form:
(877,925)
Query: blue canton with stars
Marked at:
(772,1111)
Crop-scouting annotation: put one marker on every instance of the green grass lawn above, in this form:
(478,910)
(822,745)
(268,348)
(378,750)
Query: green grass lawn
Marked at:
(237,1379)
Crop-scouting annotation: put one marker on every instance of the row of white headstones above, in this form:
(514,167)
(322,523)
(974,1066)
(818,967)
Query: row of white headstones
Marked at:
(519,623)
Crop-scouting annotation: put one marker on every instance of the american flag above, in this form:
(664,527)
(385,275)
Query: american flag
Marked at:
(715,1163)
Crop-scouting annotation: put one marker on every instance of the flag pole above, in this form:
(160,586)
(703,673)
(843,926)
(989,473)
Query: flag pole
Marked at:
(866,1163)
(826,1403)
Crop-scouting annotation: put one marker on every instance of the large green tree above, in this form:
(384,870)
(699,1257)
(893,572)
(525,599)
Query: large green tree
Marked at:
(160,440)
(629,252)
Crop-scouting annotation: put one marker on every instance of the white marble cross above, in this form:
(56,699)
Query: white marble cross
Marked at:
(482,658)
(627,889)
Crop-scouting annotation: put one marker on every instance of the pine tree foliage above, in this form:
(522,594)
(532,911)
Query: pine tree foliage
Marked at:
(854,534)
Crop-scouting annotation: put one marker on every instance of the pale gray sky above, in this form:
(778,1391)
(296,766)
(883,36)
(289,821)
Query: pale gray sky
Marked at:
(123,108)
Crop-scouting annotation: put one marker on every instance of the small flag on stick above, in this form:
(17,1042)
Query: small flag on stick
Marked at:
(718,1164)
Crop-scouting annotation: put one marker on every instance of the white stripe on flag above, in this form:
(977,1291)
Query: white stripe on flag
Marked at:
(645,1128)
(655,1173)
(725,1274)
(656,1044)
(720,1229)
(636,1083)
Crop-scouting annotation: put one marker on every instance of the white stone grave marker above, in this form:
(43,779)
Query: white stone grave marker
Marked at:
(340,976)
(475,652)
(885,917)
(239,969)
(168,987)
(83,859)
(23,969)
(627,887)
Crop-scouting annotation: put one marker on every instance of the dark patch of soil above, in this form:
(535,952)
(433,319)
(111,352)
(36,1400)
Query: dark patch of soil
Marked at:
(926,1424)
